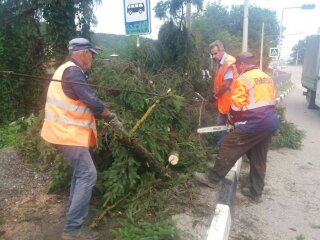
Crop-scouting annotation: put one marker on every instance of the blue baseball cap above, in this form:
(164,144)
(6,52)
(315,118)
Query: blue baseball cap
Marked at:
(77,44)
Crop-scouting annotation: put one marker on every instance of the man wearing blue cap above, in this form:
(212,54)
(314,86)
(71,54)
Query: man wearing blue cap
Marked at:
(70,126)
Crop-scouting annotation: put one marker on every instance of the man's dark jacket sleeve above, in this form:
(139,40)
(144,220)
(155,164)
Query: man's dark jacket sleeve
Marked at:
(83,92)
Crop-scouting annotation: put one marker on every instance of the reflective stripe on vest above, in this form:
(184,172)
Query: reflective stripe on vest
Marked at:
(68,121)
(68,106)
(253,104)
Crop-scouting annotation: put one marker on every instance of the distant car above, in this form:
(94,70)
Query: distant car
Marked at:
(137,7)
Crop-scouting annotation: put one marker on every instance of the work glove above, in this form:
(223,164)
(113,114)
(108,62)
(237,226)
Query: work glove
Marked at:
(212,98)
(113,120)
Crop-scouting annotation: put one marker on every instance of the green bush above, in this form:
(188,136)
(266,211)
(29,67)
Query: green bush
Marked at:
(288,135)
(60,175)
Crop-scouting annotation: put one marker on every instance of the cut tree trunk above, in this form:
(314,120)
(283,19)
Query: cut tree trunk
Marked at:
(142,153)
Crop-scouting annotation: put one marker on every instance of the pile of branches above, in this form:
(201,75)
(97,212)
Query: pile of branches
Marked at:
(157,122)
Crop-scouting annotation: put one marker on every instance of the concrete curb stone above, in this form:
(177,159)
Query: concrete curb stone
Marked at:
(221,221)
(282,95)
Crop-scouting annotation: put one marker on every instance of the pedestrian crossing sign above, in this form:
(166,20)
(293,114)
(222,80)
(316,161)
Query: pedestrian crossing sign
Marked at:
(274,52)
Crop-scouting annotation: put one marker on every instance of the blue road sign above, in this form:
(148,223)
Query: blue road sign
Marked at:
(137,17)
(274,52)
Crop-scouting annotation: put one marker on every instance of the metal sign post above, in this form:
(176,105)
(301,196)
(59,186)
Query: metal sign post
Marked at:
(137,17)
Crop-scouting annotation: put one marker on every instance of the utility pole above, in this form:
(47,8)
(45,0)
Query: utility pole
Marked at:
(245,26)
(261,47)
(188,17)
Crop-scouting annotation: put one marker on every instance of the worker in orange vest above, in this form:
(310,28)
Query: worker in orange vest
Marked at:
(255,120)
(70,126)
(225,75)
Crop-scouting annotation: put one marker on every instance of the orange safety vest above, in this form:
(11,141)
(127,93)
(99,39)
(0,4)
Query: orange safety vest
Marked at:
(223,102)
(67,121)
(253,89)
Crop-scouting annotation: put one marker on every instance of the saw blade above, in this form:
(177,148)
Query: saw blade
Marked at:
(213,129)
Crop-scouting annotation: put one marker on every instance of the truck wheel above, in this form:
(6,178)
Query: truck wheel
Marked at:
(311,96)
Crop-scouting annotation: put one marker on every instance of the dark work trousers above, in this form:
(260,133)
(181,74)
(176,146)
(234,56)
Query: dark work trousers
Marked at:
(236,144)
(221,120)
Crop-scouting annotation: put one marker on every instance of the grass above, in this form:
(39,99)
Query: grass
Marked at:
(165,229)
(30,218)
(2,220)
(288,135)
(284,87)
(8,135)
(300,237)
(200,211)
(314,226)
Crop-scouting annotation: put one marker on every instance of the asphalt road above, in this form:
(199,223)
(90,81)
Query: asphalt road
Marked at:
(291,204)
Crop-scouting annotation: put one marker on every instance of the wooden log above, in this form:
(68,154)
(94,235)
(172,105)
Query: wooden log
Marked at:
(173,158)
(138,150)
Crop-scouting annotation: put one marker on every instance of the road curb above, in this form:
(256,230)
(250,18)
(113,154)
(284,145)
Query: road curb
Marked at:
(221,221)
(282,95)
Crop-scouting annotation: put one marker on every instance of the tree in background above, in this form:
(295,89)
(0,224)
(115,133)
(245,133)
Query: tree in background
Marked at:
(33,33)
(21,50)
(256,17)
(174,10)
(297,52)
(65,20)
(218,22)
(177,47)
(60,27)
(212,24)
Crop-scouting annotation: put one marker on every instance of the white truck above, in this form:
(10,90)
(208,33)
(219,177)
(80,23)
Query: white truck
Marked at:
(310,78)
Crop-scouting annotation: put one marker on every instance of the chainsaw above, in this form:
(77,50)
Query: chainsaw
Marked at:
(215,129)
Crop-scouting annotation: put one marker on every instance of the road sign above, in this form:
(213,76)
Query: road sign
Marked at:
(274,52)
(137,17)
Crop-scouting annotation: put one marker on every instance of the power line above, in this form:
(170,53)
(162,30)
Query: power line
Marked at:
(38,78)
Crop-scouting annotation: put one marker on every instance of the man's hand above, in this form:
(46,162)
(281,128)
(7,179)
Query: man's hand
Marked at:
(113,120)
(212,98)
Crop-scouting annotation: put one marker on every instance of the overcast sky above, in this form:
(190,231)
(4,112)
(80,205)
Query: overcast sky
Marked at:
(298,23)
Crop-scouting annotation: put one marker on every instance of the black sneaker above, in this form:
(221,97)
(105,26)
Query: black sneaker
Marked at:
(251,194)
(205,179)
(84,233)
